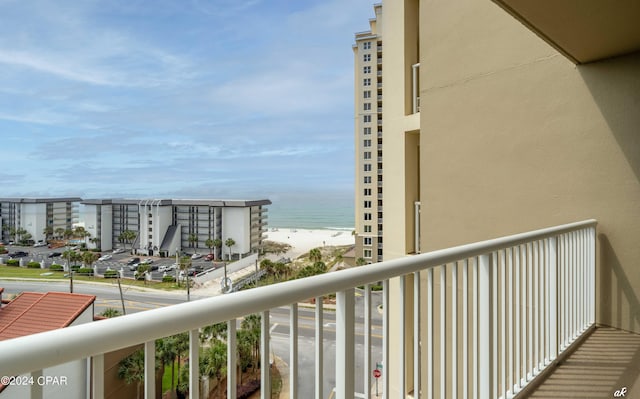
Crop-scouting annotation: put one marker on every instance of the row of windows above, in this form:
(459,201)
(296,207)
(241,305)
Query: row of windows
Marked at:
(367,253)
(367,179)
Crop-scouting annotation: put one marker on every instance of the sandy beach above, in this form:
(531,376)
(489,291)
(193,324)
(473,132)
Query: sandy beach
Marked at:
(302,240)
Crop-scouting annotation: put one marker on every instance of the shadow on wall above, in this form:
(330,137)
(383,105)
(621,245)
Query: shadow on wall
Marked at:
(615,87)
(616,295)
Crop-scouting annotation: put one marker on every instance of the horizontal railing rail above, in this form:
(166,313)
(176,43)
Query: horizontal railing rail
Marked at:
(488,369)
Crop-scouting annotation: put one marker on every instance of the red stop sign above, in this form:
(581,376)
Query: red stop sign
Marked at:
(377,373)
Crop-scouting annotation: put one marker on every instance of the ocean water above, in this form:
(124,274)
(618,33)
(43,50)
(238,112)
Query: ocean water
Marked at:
(312,212)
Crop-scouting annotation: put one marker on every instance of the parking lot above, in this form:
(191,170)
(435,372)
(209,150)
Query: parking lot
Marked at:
(117,261)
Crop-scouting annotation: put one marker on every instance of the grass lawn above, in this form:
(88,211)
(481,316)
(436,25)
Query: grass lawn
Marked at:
(23,272)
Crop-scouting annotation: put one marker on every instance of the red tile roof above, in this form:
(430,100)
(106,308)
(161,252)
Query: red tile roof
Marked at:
(31,312)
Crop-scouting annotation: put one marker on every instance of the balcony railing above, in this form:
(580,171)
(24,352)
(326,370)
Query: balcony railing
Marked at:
(504,309)
(415,79)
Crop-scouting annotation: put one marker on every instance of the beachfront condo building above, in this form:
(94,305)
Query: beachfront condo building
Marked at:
(36,218)
(367,52)
(164,226)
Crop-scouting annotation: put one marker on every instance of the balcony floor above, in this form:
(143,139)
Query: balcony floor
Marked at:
(606,362)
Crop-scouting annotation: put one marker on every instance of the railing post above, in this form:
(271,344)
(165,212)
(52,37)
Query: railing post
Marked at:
(416,336)
(485,318)
(150,370)
(231,359)
(345,364)
(385,339)
(402,341)
(97,376)
(320,348)
(194,364)
(367,341)
(293,351)
(553,298)
(265,364)
(36,389)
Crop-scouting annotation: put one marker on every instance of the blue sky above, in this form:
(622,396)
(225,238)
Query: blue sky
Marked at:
(177,98)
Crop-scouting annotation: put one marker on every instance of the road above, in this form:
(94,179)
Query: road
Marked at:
(107,295)
(307,346)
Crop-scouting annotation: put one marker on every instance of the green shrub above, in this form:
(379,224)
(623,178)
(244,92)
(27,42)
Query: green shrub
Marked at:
(87,271)
(56,268)
(75,268)
(168,279)
(33,265)
(111,274)
(13,262)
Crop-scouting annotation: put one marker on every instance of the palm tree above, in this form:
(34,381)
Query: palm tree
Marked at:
(315,255)
(47,231)
(95,241)
(217,243)
(59,232)
(209,243)
(230,242)
(214,361)
(166,353)
(127,237)
(20,232)
(88,258)
(193,239)
(131,369)
(111,312)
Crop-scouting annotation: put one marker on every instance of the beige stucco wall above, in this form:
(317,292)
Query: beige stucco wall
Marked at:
(515,137)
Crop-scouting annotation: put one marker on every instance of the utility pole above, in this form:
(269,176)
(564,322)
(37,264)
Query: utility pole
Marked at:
(121,297)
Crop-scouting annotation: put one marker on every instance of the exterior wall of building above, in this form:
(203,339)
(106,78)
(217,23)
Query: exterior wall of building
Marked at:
(34,220)
(125,217)
(401,128)
(258,225)
(105,226)
(511,137)
(34,215)
(98,220)
(201,220)
(154,221)
(235,225)
(517,137)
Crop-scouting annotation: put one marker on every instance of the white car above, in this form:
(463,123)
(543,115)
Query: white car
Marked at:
(39,244)
(147,261)
(105,257)
(118,251)
(166,268)
(196,256)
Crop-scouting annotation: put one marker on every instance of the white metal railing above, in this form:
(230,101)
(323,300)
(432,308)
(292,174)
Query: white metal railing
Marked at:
(503,309)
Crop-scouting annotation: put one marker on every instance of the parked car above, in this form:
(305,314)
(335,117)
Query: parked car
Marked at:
(134,266)
(196,256)
(105,257)
(147,261)
(54,254)
(133,261)
(166,268)
(39,244)
(18,254)
(118,251)
(210,257)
